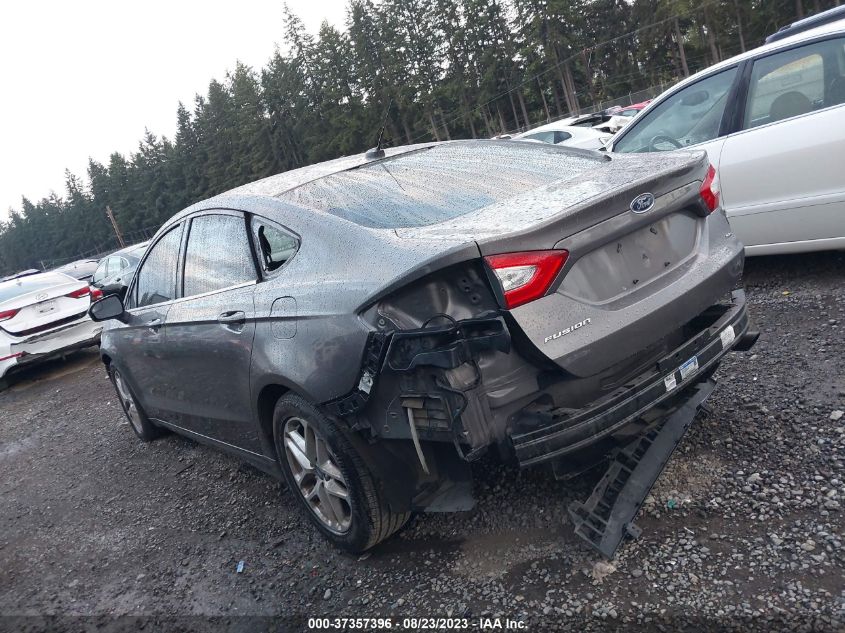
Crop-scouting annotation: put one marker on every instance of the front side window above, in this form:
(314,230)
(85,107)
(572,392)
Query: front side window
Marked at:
(157,277)
(218,254)
(795,82)
(275,246)
(690,116)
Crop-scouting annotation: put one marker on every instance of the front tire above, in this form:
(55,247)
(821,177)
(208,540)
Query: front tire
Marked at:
(138,420)
(329,478)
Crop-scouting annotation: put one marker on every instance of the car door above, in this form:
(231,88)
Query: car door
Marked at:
(139,343)
(782,173)
(210,330)
(691,117)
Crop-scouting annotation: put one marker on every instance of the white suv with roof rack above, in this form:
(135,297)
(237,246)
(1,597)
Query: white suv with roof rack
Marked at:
(772,121)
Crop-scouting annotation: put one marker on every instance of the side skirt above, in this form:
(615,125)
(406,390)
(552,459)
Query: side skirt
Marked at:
(262,462)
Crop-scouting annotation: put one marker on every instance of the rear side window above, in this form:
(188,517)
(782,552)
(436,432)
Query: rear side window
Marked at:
(157,277)
(795,82)
(218,254)
(439,183)
(275,246)
(690,116)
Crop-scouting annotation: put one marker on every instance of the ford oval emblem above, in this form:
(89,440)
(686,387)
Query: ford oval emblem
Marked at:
(642,203)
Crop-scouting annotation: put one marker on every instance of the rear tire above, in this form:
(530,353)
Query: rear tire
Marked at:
(138,420)
(329,478)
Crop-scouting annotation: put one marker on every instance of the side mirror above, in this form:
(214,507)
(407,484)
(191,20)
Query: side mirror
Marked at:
(107,308)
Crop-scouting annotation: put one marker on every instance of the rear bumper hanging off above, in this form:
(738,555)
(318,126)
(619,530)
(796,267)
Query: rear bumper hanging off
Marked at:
(677,371)
(607,516)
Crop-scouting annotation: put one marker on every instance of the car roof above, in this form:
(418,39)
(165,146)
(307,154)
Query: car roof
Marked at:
(825,29)
(276,185)
(75,263)
(800,26)
(21,273)
(279,193)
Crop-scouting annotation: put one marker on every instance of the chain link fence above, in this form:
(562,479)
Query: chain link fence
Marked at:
(629,99)
(102,249)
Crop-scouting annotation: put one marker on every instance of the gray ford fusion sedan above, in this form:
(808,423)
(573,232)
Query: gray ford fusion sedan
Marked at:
(367,327)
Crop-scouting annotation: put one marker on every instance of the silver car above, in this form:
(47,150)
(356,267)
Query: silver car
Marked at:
(368,327)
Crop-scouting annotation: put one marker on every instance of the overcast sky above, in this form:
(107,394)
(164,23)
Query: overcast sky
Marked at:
(85,78)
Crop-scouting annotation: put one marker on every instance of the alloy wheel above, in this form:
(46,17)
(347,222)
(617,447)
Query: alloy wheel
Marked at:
(317,475)
(128,402)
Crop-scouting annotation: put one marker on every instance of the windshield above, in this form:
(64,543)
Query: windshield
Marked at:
(439,183)
(11,289)
(690,116)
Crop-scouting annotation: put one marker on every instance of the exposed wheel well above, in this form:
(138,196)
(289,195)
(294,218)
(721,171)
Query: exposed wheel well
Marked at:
(106,359)
(267,400)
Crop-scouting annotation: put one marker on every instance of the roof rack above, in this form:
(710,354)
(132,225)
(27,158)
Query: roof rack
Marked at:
(825,17)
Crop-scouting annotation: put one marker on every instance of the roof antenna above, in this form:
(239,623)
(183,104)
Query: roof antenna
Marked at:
(377,151)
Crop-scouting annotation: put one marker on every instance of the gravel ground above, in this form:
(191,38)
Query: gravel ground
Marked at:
(743,531)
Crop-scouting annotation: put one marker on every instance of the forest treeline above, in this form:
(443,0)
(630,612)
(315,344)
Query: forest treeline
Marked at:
(450,68)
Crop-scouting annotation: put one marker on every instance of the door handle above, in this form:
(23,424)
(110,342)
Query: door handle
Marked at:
(154,325)
(232,317)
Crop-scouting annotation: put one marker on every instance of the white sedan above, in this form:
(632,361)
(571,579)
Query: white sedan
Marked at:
(569,135)
(43,316)
(772,121)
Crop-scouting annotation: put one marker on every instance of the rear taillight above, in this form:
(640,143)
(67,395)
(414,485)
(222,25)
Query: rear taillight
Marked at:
(78,294)
(710,189)
(5,315)
(96,293)
(526,276)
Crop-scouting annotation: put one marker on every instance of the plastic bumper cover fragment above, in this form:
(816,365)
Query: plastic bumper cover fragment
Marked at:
(607,516)
(707,347)
(50,344)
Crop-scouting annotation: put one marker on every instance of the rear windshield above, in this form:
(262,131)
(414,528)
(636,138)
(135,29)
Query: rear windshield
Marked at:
(11,289)
(438,183)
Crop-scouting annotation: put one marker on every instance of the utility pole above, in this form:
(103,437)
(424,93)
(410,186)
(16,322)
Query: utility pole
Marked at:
(115,227)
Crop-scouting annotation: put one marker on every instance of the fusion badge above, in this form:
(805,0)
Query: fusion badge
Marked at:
(571,328)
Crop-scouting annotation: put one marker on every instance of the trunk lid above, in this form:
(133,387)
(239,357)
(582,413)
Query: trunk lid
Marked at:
(631,278)
(538,218)
(40,301)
